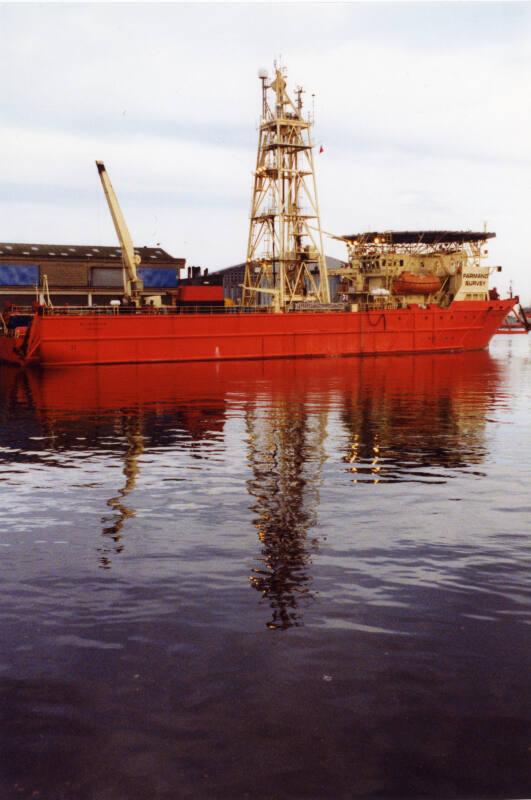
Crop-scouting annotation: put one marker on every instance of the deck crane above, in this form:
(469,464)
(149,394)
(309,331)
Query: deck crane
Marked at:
(133,285)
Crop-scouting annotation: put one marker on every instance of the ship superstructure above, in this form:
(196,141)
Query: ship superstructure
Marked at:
(285,263)
(393,269)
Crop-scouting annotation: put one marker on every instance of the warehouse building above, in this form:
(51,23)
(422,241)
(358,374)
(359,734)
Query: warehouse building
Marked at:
(81,275)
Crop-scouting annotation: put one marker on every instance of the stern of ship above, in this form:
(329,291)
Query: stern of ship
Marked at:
(20,346)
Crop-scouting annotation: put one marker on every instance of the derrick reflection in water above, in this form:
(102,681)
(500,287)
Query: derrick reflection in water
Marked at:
(286,451)
(132,427)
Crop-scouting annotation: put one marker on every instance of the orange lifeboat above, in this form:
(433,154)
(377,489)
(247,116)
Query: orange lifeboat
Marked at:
(411,283)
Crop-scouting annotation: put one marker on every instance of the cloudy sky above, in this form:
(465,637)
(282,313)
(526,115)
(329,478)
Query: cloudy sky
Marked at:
(424,111)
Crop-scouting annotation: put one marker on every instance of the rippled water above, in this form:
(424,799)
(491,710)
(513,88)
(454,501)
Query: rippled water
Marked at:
(298,579)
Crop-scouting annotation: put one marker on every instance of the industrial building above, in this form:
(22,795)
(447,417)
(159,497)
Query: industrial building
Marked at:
(81,275)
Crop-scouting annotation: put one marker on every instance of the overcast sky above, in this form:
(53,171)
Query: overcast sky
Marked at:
(424,111)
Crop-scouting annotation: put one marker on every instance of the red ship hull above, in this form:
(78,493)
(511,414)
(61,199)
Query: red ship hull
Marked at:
(60,339)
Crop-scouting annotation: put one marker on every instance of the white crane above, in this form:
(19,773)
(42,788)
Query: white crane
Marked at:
(133,285)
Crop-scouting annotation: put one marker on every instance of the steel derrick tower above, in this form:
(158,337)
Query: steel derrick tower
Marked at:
(285,258)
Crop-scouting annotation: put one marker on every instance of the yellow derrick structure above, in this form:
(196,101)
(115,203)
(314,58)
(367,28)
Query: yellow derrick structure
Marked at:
(285,258)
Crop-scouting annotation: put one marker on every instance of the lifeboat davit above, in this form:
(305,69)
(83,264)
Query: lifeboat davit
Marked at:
(411,283)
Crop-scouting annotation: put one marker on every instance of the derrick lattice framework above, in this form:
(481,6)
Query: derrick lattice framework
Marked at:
(285,260)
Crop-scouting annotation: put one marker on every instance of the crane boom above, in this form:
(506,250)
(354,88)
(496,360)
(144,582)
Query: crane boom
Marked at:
(133,284)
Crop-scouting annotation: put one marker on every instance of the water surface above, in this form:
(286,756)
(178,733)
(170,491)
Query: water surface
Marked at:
(290,579)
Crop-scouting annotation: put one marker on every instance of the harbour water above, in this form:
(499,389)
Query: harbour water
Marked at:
(290,579)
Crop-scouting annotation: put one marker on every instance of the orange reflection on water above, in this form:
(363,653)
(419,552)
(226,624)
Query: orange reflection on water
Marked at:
(401,418)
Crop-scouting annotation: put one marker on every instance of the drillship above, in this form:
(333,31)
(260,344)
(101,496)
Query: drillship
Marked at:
(398,292)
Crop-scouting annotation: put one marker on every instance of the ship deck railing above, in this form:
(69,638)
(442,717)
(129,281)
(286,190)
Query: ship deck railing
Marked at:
(166,310)
(48,311)
(147,310)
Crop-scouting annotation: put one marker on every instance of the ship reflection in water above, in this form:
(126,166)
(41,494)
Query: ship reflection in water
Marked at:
(409,416)
(395,419)
(324,557)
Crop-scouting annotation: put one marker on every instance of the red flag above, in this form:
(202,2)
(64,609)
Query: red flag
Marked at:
(321,149)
